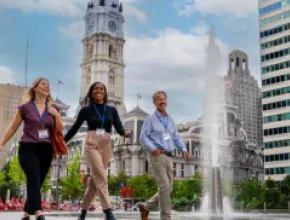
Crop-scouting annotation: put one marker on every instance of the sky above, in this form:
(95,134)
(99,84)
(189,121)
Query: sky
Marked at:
(165,46)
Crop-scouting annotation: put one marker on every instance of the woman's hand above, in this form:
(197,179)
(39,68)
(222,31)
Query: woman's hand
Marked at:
(51,110)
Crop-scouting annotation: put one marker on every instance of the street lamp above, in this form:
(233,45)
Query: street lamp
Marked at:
(57,182)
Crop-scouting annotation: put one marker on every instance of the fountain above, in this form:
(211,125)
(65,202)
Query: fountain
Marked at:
(211,123)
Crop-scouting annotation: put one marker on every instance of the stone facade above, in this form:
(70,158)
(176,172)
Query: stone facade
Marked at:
(103,51)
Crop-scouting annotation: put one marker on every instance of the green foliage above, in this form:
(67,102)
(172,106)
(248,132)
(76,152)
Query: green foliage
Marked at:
(72,188)
(6,169)
(144,187)
(14,190)
(270,184)
(2,179)
(114,183)
(15,172)
(273,198)
(186,192)
(252,193)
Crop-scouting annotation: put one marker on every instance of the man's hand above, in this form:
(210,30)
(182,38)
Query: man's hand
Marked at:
(186,155)
(127,133)
(157,152)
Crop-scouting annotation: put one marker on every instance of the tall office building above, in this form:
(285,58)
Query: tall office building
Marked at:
(11,96)
(274,19)
(246,95)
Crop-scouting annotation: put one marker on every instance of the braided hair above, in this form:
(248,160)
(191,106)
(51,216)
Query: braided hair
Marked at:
(89,97)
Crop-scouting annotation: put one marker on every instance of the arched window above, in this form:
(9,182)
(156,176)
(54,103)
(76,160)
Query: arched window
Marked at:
(112,77)
(112,52)
(124,165)
(91,51)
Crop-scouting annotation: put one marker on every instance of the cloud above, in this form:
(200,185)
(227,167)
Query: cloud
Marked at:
(67,8)
(201,28)
(130,10)
(173,61)
(6,75)
(74,30)
(216,7)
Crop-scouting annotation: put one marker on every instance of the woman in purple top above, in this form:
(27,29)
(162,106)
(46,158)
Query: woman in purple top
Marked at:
(40,116)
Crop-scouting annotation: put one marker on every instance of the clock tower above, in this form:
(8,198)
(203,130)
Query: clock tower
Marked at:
(103,50)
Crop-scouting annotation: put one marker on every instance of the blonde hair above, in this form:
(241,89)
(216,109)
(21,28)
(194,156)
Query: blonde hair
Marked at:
(31,94)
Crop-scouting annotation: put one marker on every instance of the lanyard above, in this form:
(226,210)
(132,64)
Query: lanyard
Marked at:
(165,123)
(101,118)
(42,119)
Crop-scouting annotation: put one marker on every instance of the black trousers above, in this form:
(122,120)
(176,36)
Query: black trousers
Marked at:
(35,160)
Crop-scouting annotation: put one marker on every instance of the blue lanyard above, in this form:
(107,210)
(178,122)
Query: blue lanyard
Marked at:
(101,118)
(165,123)
(42,119)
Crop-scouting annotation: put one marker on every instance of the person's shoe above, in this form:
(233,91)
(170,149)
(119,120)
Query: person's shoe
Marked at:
(26,218)
(109,214)
(82,215)
(41,217)
(144,212)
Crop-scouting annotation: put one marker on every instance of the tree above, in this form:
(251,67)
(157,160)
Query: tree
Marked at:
(272,194)
(270,183)
(72,188)
(2,179)
(16,173)
(114,183)
(252,193)
(144,187)
(6,169)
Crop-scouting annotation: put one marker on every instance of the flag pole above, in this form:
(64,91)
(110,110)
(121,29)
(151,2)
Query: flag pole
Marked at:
(26,59)
(137,99)
(57,88)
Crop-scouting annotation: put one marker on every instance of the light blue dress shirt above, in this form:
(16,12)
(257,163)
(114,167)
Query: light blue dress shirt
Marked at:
(154,131)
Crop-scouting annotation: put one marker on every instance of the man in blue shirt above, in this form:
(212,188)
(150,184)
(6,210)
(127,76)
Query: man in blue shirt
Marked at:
(159,135)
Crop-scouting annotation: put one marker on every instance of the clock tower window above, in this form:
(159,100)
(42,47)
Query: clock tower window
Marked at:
(111,77)
(112,52)
(91,51)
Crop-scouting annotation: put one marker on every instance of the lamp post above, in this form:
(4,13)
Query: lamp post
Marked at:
(57,183)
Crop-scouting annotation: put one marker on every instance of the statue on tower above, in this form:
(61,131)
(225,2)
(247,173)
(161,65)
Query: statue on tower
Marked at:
(121,7)
(114,5)
(102,2)
(90,5)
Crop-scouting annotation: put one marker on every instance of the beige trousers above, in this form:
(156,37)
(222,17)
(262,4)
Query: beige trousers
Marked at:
(98,150)
(162,167)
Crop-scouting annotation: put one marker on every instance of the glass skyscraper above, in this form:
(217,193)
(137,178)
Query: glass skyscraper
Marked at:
(274,30)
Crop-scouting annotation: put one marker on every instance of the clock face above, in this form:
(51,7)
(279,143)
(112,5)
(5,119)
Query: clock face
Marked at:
(112,26)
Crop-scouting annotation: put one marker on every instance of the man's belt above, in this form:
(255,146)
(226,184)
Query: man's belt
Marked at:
(167,153)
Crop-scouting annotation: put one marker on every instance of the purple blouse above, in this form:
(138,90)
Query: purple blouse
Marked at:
(32,124)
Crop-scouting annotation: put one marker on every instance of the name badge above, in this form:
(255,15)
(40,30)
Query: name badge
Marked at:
(166,136)
(43,134)
(100,132)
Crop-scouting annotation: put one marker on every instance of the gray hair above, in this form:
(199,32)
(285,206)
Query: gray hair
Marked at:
(156,94)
